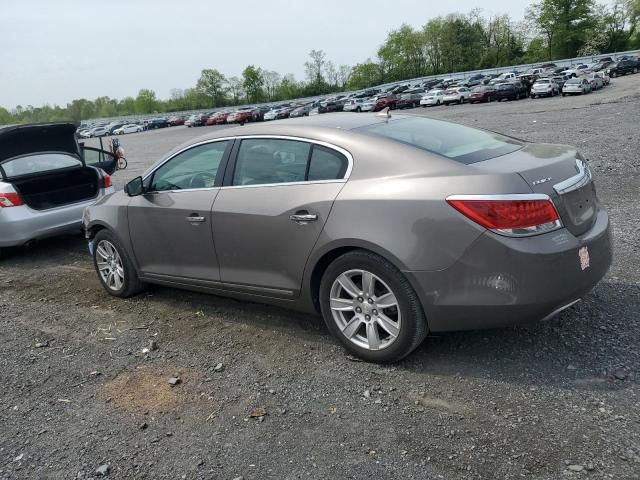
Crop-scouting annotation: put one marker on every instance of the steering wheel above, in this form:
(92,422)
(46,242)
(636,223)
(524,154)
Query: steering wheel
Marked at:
(202,180)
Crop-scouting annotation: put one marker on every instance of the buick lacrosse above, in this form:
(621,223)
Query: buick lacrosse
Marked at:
(390,227)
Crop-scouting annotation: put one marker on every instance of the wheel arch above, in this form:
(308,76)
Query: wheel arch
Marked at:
(321,259)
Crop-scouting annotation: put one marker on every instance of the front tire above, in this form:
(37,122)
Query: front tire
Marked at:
(371,308)
(115,269)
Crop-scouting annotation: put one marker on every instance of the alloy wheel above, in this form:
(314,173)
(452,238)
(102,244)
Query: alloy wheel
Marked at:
(365,309)
(109,265)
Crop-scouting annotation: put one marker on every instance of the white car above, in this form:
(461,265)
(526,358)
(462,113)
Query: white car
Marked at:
(354,105)
(596,81)
(456,95)
(432,97)
(546,87)
(271,114)
(131,128)
(605,78)
(368,105)
(99,132)
(576,86)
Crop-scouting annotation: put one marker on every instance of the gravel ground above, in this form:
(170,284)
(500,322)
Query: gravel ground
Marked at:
(267,394)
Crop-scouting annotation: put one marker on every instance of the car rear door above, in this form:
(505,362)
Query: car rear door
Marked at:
(277,196)
(170,224)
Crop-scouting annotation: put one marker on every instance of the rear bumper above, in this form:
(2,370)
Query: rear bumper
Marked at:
(502,281)
(19,225)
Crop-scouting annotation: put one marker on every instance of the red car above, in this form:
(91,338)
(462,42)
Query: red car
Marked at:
(241,116)
(218,118)
(482,93)
(175,121)
(386,101)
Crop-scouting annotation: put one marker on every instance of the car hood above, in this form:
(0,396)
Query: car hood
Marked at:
(17,140)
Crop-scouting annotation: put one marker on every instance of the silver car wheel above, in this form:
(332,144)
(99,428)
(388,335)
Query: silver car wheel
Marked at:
(365,309)
(109,265)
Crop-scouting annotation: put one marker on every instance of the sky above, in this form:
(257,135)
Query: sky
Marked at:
(53,51)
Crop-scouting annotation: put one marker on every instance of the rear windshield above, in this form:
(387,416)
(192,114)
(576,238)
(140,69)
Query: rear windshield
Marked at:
(40,163)
(456,142)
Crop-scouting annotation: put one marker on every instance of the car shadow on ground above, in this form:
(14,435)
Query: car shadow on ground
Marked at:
(562,351)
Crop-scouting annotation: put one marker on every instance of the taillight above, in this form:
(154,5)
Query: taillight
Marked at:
(106,181)
(11,199)
(513,215)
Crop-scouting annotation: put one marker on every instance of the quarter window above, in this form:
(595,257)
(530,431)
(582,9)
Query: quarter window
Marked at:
(326,164)
(191,169)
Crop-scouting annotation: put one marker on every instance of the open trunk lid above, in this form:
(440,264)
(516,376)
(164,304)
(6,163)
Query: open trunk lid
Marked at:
(558,171)
(59,137)
(17,140)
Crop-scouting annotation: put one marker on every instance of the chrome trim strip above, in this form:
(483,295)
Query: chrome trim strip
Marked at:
(582,178)
(558,310)
(331,146)
(282,184)
(498,197)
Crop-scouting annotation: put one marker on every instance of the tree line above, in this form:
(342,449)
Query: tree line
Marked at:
(551,29)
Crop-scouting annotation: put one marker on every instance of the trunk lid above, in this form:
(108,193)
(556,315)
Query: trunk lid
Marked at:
(59,137)
(558,171)
(19,140)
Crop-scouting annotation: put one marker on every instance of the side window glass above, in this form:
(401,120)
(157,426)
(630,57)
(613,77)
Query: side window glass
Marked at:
(268,160)
(193,168)
(326,164)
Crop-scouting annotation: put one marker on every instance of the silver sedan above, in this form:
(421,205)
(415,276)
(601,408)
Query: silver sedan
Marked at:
(47,180)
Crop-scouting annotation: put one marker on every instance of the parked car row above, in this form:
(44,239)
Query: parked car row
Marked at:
(546,80)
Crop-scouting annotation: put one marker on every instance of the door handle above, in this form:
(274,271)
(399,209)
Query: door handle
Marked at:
(303,217)
(195,219)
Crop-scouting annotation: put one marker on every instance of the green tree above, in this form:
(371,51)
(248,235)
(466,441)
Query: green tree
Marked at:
(565,24)
(212,84)
(253,83)
(365,75)
(402,54)
(5,116)
(145,102)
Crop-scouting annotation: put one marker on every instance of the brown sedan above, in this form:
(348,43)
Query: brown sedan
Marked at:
(389,226)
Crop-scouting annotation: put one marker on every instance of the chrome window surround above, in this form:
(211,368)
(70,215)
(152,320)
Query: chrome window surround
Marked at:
(330,146)
(516,232)
(582,178)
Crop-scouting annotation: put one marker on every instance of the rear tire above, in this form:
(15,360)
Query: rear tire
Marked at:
(404,318)
(115,269)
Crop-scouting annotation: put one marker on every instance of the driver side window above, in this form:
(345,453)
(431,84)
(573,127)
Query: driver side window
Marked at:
(191,169)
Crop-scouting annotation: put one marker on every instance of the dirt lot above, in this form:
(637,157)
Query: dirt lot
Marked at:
(268,394)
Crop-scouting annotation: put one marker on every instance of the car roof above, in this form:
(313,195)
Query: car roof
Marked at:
(325,127)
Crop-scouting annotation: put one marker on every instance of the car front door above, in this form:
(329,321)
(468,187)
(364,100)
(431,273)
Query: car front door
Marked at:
(170,224)
(98,158)
(269,214)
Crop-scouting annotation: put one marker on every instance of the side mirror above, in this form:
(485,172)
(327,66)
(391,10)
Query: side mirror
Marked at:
(134,187)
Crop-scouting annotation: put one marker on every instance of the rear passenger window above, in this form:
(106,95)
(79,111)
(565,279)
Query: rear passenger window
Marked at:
(326,164)
(268,160)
